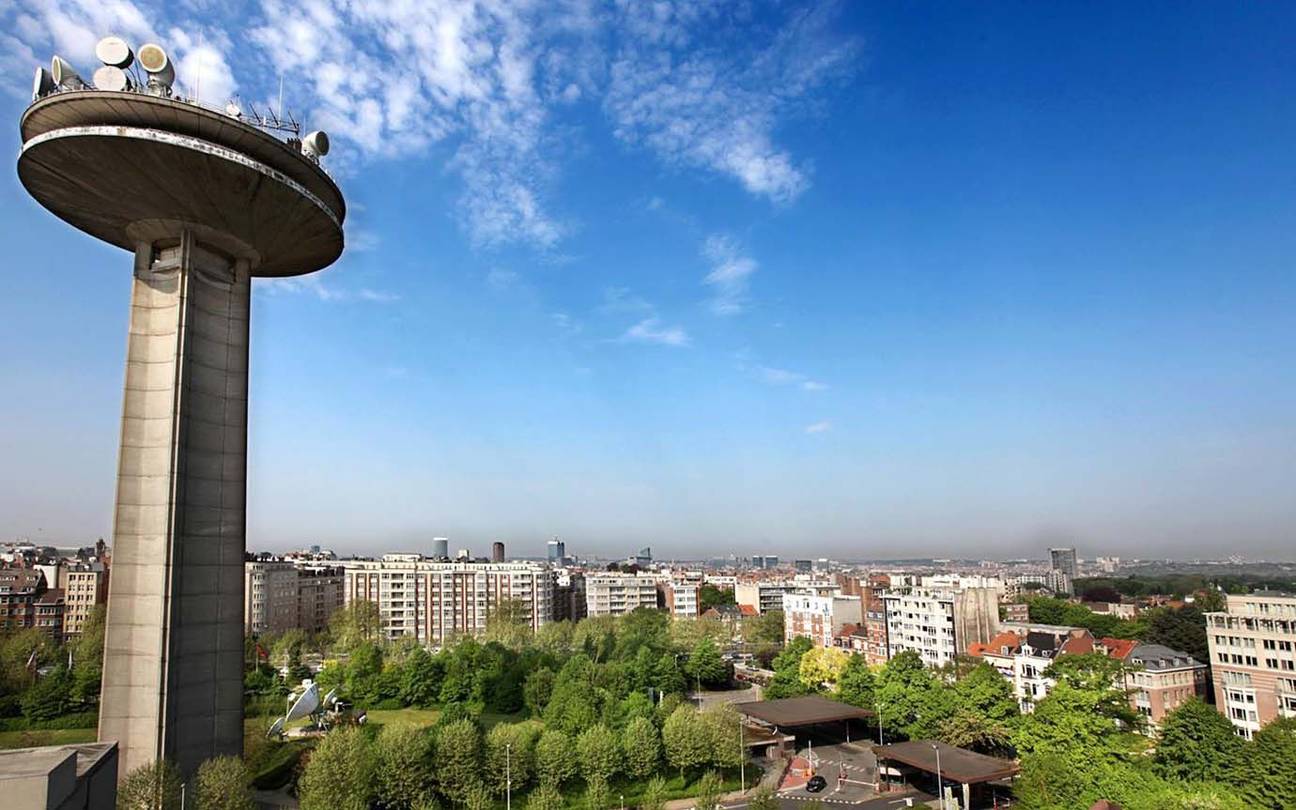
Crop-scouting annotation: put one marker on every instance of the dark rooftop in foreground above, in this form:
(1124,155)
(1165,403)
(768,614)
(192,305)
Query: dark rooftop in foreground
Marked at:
(956,764)
(801,711)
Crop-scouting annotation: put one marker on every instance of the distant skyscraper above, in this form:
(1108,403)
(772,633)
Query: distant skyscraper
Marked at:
(644,557)
(497,552)
(557,550)
(802,566)
(440,547)
(1064,560)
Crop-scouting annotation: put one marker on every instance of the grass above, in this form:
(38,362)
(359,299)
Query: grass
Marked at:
(418,717)
(60,736)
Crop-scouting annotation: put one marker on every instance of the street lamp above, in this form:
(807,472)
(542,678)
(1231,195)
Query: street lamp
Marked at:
(879,706)
(508,776)
(742,756)
(940,783)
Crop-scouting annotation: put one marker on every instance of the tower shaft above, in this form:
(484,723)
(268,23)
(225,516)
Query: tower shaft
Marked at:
(173,677)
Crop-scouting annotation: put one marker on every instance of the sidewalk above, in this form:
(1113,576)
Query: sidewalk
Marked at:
(773,772)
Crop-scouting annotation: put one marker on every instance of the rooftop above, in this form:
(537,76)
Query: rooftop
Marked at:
(801,711)
(956,764)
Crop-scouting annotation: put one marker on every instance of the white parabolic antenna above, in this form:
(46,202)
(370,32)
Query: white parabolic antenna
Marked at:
(330,698)
(275,728)
(304,705)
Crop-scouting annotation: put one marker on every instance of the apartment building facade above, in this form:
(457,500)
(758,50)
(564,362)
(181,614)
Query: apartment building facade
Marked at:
(269,597)
(1160,680)
(433,601)
(680,598)
(819,618)
(938,625)
(321,591)
(617,594)
(766,595)
(1252,645)
(84,586)
(19,590)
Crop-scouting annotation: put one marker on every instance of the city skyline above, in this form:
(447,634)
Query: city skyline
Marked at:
(960,286)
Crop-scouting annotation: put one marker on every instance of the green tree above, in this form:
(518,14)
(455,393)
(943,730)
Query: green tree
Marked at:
(597,794)
(710,596)
(1268,772)
(421,677)
(359,621)
(403,771)
(856,683)
(510,755)
(654,795)
(223,783)
(458,758)
(545,797)
(764,628)
(642,744)
(903,688)
(87,657)
(706,666)
(1197,744)
(340,772)
(686,739)
(763,798)
(787,671)
(49,696)
(537,689)
(599,753)
(509,624)
(555,758)
(573,707)
(150,787)
(721,724)
(478,798)
(709,791)
(1182,629)
(667,675)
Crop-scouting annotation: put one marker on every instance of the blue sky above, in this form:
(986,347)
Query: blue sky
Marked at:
(858,279)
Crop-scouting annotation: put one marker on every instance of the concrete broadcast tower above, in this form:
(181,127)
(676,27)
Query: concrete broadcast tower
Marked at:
(205,200)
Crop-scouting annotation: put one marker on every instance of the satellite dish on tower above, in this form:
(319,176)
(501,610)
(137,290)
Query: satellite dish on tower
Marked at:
(304,705)
(155,62)
(114,52)
(112,78)
(43,85)
(64,75)
(315,145)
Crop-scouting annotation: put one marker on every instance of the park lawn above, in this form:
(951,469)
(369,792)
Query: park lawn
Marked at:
(59,736)
(410,714)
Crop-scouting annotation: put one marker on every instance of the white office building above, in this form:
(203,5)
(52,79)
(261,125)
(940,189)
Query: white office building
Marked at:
(618,594)
(433,601)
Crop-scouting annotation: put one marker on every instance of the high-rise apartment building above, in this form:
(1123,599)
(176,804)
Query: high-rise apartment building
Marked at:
(441,548)
(939,624)
(321,591)
(1064,560)
(767,594)
(617,594)
(497,552)
(434,601)
(1252,647)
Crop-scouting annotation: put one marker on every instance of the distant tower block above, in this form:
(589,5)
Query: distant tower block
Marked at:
(497,551)
(205,200)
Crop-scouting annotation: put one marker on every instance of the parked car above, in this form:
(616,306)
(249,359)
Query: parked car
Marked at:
(816,784)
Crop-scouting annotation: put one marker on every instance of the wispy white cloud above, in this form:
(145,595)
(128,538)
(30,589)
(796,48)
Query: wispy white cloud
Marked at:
(651,330)
(730,274)
(783,377)
(500,279)
(314,285)
(818,427)
(492,84)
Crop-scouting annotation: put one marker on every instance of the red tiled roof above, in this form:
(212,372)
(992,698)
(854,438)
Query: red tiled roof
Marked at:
(747,610)
(995,645)
(1119,648)
(848,630)
(1077,645)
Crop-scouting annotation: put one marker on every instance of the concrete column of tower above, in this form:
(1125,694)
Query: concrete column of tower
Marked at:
(175,597)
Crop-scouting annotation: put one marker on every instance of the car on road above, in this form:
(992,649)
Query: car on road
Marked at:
(816,784)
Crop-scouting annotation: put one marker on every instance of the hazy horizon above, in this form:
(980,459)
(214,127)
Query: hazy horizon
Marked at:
(810,279)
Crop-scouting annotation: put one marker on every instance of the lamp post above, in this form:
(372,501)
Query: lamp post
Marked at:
(742,756)
(508,776)
(879,706)
(940,783)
